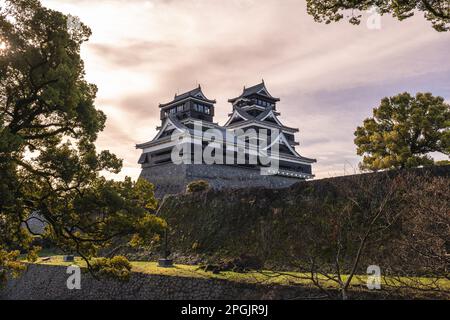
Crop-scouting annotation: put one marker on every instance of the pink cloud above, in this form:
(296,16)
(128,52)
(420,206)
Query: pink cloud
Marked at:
(329,77)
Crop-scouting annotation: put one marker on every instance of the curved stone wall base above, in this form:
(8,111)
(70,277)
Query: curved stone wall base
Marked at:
(173,179)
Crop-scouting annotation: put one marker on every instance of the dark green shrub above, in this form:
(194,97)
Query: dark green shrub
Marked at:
(117,267)
(241,264)
(197,186)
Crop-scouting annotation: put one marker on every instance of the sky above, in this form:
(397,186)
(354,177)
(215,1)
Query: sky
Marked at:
(329,77)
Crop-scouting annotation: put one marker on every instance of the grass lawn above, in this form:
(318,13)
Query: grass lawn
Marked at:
(265,277)
(190,271)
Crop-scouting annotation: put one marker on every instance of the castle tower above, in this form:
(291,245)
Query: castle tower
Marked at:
(177,115)
(254,109)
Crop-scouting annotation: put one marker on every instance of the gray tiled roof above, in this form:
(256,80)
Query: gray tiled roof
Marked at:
(254,90)
(258,118)
(190,94)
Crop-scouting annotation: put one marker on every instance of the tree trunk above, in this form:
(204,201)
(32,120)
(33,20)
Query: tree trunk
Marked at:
(344,294)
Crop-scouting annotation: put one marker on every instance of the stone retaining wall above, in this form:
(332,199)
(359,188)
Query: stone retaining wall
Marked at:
(44,282)
(173,179)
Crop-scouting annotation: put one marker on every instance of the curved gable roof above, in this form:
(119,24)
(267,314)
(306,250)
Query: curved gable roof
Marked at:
(239,113)
(171,120)
(259,89)
(196,93)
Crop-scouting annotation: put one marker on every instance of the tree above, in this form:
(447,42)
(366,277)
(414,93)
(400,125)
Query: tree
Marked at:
(436,11)
(403,131)
(341,234)
(395,220)
(48,127)
(422,248)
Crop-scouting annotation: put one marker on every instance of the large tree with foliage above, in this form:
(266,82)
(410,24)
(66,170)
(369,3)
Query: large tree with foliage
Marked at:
(403,131)
(48,160)
(436,11)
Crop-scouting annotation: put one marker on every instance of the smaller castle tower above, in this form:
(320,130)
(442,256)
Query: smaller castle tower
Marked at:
(256,109)
(192,104)
(176,115)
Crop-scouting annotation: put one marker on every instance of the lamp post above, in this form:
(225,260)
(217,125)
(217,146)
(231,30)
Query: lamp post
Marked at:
(166,262)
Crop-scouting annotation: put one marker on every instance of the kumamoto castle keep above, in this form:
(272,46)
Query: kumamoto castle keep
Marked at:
(253,148)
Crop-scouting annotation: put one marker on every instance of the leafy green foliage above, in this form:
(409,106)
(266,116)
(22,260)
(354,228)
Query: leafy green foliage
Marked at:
(436,11)
(197,186)
(9,262)
(117,267)
(403,131)
(48,160)
(443,163)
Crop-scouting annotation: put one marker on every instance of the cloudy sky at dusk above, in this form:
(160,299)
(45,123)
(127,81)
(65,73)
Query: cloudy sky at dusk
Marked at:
(329,77)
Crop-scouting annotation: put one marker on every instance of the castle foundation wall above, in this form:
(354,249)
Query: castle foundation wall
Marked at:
(172,179)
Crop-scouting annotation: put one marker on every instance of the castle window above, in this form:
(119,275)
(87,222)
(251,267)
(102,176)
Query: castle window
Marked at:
(200,108)
(207,110)
(262,103)
(180,108)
